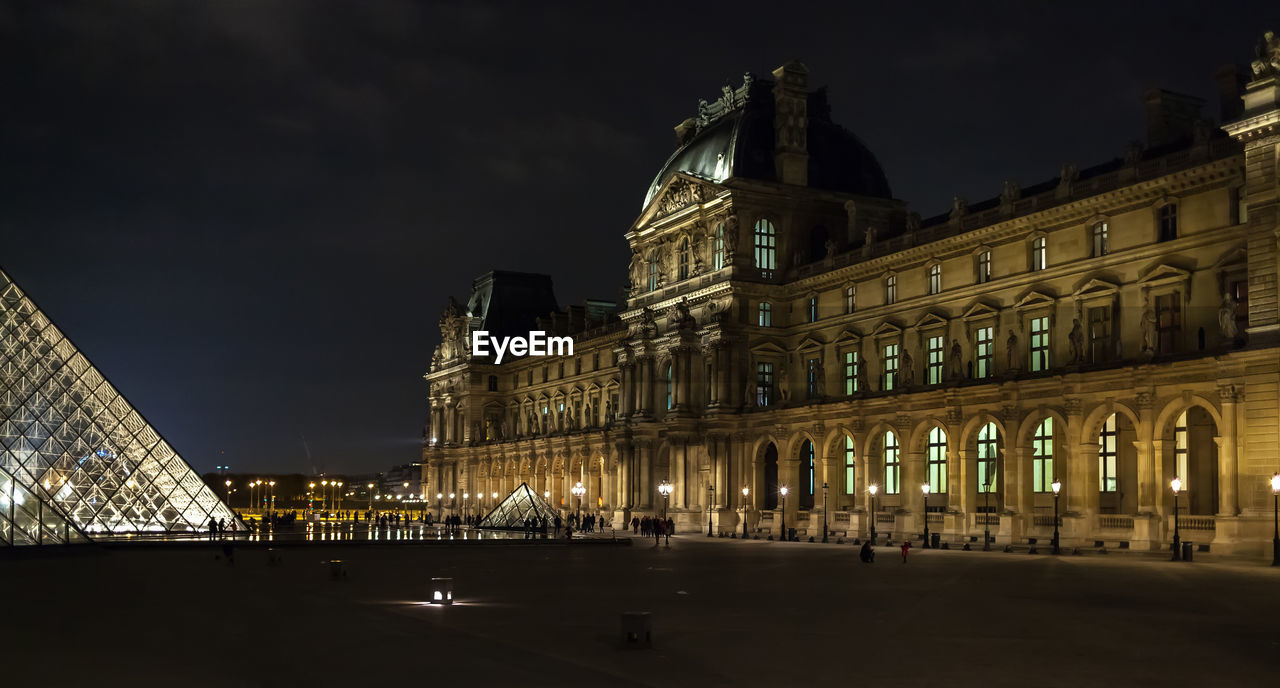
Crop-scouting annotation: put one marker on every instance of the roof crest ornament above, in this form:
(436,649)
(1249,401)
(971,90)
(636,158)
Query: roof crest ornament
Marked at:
(730,99)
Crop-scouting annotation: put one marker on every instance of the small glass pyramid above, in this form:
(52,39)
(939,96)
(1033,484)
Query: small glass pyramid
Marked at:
(521,504)
(72,444)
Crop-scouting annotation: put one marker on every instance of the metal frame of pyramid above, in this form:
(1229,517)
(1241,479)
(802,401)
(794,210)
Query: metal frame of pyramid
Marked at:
(76,446)
(515,508)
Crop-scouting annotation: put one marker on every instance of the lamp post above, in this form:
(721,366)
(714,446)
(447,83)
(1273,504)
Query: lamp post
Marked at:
(1275,517)
(339,492)
(783,491)
(370,488)
(746,491)
(273,497)
(986,509)
(873,489)
(228,483)
(664,489)
(711,492)
(925,489)
(1057,488)
(324,496)
(439,506)
(453,501)
(311,497)
(578,490)
(1176,484)
(824,512)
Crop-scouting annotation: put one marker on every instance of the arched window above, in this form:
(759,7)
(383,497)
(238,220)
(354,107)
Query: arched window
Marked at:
(1180,451)
(892,466)
(850,484)
(766,247)
(682,260)
(717,248)
(988,446)
(1042,457)
(653,273)
(766,314)
(1108,481)
(1099,239)
(935,279)
(937,461)
(806,475)
(670,369)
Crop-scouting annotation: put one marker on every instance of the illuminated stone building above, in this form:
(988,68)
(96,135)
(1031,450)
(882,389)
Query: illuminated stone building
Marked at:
(791,323)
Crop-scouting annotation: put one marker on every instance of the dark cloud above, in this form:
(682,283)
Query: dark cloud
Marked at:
(250,213)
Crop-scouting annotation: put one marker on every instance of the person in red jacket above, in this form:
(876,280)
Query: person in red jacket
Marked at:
(906,546)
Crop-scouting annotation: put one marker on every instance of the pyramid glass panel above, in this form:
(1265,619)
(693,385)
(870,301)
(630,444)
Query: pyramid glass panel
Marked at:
(521,504)
(75,456)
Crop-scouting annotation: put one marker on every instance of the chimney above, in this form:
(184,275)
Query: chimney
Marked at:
(790,123)
(1171,117)
(1231,81)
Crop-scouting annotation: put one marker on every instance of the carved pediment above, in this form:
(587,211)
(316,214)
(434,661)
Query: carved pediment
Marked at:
(1095,288)
(768,347)
(1164,273)
(848,337)
(886,328)
(930,321)
(593,387)
(980,311)
(679,193)
(809,344)
(612,383)
(1034,299)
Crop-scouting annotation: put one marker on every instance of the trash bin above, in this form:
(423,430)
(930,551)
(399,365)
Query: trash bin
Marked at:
(1186,551)
(791,534)
(935,540)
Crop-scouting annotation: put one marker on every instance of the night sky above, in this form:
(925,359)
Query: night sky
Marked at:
(250,214)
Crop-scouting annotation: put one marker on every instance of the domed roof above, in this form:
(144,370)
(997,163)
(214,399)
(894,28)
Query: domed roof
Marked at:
(735,138)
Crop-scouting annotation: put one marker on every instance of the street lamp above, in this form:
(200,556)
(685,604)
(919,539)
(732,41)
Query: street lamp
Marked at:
(1176,484)
(311,499)
(453,501)
(664,489)
(824,512)
(578,490)
(746,491)
(783,491)
(1275,517)
(339,493)
(1057,488)
(228,493)
(324,495)
(873,489)
(273,496)
(370,488)
(711,492)
(925,489)
(439,506)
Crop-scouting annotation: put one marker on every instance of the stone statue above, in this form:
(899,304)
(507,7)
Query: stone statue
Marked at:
(1076,341)
(863,384)
(797,258)
(730,236)
(784,385)
(647,317)
(831,248)
(1011,350)
(608,413)
(1268,54)
(907,373)
(820,380)
(1227,318)
(1148,329)
(502,428)
(749,394)
(636,270)
(956,362)
(680,315)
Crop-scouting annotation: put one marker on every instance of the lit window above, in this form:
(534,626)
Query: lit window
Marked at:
(653,274)
(937,461)
(892,466)
(766,248)
(766,314)
(1099,239)
(806,474)
(988,446)
(670,369)
(850,484)
(890,367)
(683,258)
(1107,454)
(1168,222)
(935,360)
(1042,457)
(935,279)
(811,378)
(764,384)
(1100,345)
(717,249)
(1180,450)
(1242,207)
(984,267)
(890,289)
(1040,344)
(849,298)
(984,360)
(1039,253)
(851,372)
(813,309)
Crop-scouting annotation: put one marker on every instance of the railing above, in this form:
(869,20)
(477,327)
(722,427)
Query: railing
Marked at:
(933,518)
(1197,523)
(884,518)
(1116,522)
(1047,521)
(986,520)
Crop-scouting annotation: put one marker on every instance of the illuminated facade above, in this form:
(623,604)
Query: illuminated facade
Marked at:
(75,458)
(791,323)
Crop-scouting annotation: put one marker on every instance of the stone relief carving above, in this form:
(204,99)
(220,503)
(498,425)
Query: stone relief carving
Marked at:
(681,194)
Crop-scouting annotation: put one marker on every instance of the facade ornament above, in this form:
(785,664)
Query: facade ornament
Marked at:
(1073,406)
(730,236)
(1228,394)
(956,362)
(820,380)
(954,415)
(913,221)
(681,317)
(1011,350)
(1268,56)
(681,194)
(1227,318)
(830,246)
(1076,341)
(864,385)
(907,372)
(1144,401)
(784,384)
(959,207)
(1148,328)
(1133,154)
(856,424)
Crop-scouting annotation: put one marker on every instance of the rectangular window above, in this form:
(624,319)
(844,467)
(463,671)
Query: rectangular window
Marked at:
(984,267)
(935,279)
(849,298)
(1040,344)
(811,378)
(1039,253)
(851,372)
(1108,457)
(1169,321)
(1168,222)
(546,373)
(515,380)
(935,360)
(1099,239)
(766,314)
(813,309)
(1100,345)
(560,370)
(1242,207)
(850,477)
(764,384)
(595,360)
(1042,457)
(890,289)
(1180,450)
(530,375)
(493,383)
(890,359)
(985,358)
(987,448)
(892,466)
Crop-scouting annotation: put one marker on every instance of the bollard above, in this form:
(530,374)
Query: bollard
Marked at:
(637,629)
(336,570)
(1186,551)
(273,557)
(441,591)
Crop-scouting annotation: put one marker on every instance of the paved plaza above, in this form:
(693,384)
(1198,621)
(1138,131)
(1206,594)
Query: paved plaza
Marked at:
(546,613)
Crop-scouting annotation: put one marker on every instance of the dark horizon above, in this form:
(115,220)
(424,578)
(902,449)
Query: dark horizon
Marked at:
(249,216)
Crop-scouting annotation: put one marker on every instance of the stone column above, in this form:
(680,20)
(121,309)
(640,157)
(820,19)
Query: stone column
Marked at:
(1075,482)
(789,474)
(1088,456)
(646,487)
(646,385)
(1228,459)
(960,475)
(679,477)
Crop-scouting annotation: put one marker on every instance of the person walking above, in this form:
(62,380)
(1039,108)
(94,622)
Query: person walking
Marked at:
(906,547)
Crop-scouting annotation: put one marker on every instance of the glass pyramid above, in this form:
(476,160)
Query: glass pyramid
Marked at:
(70,441)
(511,512)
